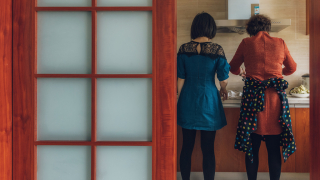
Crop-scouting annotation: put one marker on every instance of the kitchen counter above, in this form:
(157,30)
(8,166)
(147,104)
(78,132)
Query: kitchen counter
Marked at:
(230,160)
(294,102)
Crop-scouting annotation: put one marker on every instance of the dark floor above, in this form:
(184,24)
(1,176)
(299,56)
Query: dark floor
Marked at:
(243,176)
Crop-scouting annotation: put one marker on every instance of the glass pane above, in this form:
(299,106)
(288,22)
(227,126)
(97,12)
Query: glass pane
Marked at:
(64,3)
(124,109)
(124,2)
(124,44)
(64,42)
(64,109)
(134,163)
(64,162)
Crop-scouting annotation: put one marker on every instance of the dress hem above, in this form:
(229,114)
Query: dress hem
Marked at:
(203,129)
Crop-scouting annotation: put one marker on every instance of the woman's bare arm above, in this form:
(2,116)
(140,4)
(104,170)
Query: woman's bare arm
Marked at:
(223,90)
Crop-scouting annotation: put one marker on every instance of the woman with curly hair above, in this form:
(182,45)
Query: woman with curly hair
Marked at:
(264,113)
(199,105)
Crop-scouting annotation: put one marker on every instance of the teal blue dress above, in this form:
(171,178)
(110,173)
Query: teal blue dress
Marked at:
(199,105)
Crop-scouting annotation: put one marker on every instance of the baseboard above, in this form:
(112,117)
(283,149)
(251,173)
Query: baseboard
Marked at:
(243,176)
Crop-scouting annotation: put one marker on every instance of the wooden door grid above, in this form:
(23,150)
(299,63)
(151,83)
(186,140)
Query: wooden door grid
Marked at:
(24,84)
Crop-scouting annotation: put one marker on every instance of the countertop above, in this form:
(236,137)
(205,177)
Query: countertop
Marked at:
(294,102)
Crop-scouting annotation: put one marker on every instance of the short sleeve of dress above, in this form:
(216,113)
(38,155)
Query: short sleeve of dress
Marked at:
(181,67)
(223,69)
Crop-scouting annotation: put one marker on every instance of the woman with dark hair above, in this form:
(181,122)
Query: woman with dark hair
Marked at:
(264,113)
(199,102)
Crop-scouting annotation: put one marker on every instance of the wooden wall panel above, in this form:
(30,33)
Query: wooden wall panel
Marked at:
(6,90)
(314,23)
(22,90)
(302,137)
(166,92)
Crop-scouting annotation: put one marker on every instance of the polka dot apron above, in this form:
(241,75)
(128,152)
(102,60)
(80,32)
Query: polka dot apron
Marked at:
(253,102)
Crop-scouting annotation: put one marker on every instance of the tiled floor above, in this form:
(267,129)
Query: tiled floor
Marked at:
(243,176)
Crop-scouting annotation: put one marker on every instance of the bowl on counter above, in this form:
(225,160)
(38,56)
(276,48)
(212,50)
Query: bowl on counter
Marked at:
(300,95)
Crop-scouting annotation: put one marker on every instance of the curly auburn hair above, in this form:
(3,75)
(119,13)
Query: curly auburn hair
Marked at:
(258,23)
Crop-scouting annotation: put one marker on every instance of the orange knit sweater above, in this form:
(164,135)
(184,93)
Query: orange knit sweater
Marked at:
(263,57)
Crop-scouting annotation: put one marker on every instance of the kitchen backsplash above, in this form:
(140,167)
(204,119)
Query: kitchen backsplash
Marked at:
(294,35)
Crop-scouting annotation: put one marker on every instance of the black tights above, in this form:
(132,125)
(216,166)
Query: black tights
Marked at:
(274,156)
(207,147)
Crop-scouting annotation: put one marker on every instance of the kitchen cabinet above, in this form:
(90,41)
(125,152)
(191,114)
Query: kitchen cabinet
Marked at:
(302,139)
(230,160)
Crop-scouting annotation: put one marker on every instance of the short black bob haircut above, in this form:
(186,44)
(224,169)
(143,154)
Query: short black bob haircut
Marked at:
(258,23)
(203,25)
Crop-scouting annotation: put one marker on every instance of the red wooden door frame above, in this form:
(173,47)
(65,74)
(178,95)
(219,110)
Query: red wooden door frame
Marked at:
(314,24)
(6,90)
(21,24)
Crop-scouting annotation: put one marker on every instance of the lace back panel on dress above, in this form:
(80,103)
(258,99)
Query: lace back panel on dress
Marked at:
(209,49)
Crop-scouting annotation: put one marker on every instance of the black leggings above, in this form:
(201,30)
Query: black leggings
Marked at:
(274,156)
(207,147)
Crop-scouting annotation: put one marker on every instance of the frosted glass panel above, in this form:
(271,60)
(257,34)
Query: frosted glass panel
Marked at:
(124,109)
(64,109)
(124,2)
(124,163)
(64,42)
(64,163)
(65,3)
(124,44)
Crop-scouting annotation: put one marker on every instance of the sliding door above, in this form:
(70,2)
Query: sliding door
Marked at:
(94,90)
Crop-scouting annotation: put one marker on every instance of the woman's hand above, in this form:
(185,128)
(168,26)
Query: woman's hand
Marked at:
(223,90)
(242,73)
(224,93)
